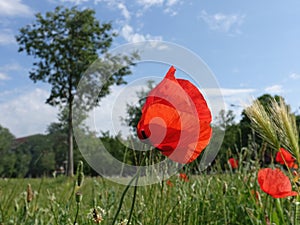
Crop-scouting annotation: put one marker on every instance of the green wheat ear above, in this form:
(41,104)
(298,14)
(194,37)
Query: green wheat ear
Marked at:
(263,123)
(286,127)
(276,125)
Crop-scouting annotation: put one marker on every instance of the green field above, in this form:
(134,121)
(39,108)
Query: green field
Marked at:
(204,199)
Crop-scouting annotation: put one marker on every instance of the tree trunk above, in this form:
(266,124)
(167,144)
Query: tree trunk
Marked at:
(70,169)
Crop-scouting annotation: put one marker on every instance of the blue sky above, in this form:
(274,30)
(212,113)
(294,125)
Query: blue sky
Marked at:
(252,47)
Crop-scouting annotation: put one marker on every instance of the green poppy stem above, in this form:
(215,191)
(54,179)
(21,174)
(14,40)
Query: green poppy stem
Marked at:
(77,212)
(133,199)
(122,198)
(135,177)
(297,211)
(279,210)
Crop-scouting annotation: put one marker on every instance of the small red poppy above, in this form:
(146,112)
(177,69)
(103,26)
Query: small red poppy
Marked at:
(233,163)
(275,183)
(184,177)
(285,158)
(169,183)
(176,119)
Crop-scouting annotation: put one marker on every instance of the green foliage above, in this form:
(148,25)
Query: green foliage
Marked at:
(34,157)
(7,158)
(65,42)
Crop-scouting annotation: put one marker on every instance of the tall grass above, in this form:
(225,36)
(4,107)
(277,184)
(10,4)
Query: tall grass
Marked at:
(218,197)
(230,198)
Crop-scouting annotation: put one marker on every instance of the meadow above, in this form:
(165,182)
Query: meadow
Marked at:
(249,190)
(231,197)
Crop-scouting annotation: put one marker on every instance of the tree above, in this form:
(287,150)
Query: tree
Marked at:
(6,141)
(225,121)
(64,43)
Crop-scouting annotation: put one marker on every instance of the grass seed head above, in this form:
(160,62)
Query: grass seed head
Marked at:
(29,195)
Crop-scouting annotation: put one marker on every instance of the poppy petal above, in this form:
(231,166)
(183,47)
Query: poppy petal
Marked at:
(275,183)
(284,157)
(176,119)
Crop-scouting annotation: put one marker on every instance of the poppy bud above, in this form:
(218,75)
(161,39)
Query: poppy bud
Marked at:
(80,174)
(78,197)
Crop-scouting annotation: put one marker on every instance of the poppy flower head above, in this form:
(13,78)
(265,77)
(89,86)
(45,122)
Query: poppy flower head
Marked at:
(233,163)
(176,119)
(183,177)
(169,183)
(275,183)
(284,157)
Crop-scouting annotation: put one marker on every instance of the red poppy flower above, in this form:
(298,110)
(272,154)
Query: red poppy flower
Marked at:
(233,163)
(183,177)
(169,183)
(285,158)
(176,119)
(275,183)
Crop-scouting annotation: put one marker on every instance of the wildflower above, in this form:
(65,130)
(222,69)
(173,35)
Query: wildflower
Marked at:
(275,183)
(124,222)
(96,215)
(233,163)
(169,183)
(183,177)
(285,158)
(176,119)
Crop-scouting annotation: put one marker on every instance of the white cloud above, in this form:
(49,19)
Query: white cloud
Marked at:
(124,11)
(295,76)
(76,2)
(150,3)
(27,113)
(274,89)
(223,22)
(4,70)
(170,11)
(228,99)
(129,35)
(168,5)
(226,92)
(172,2)
(6,37)
(11,67)
(3,76)
(14,8)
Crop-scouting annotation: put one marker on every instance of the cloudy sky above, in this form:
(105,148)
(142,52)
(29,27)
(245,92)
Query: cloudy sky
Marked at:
(252,48)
